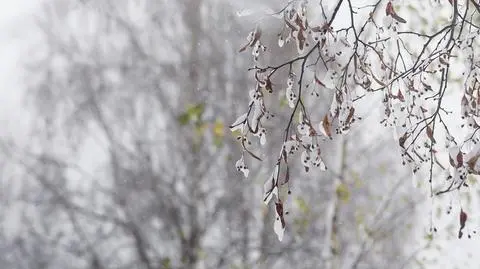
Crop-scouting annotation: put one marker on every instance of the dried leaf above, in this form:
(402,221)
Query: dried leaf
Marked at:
(287,176)
(402,139)
(290,25)
(243,48)
(252,39)
(459,159)
(268,86)
(339,98)
(400,96)
(350,115)
(279,209)
(318,81)
(316,29)
(430,133)
(443,61)
(398,18)
(299,22)
(326,127)
(452,162)
(300,40)
(279,226)
(464,106)
(391,12)
(256,37)
(427,87)
(463,220)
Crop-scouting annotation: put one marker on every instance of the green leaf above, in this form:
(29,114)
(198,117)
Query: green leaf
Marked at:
(342,192)
(218,141)
(411,8)
(200,129)
(429,237)
(472,180)
(236,133)
(193,113)
(166,263)
(218,129)
(302,205)
(300,224)
(218,133)
(183,119)
(202,254)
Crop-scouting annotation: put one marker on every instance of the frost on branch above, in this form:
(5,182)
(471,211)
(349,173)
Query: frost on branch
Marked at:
(253,41)
(242,167)
(378,51)
(290,93)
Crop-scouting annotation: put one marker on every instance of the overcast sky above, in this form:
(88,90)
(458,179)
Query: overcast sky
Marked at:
(15,30)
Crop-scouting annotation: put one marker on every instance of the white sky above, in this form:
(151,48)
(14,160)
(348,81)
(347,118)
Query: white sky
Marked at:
(14,39)
(10,10)
(16,36)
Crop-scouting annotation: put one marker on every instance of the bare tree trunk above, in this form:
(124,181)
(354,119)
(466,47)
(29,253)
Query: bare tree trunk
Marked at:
(331,248)
(246,229)
(191,244)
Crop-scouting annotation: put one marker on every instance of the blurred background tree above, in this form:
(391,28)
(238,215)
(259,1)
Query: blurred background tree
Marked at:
(131,164)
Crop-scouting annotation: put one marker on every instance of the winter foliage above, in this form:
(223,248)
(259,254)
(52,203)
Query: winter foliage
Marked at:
(377,52)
